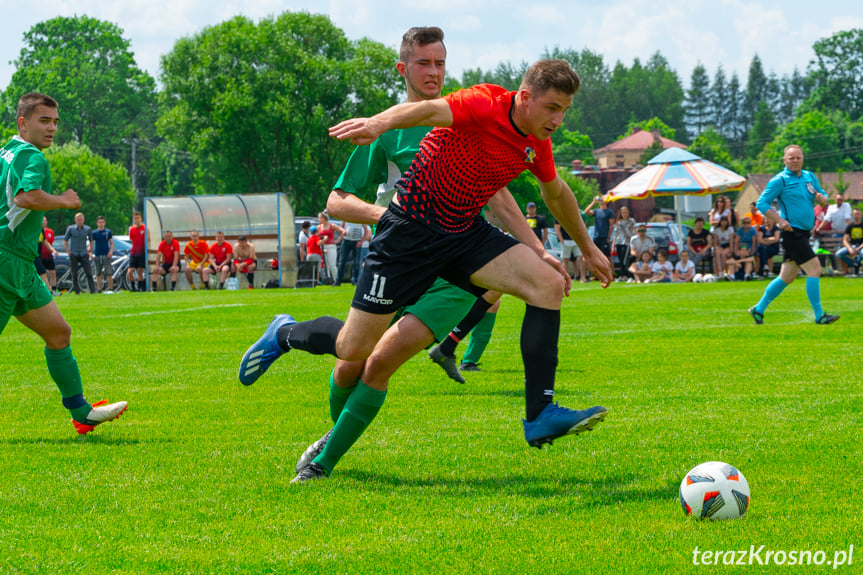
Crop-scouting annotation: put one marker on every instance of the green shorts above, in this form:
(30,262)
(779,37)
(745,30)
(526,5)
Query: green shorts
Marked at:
(441,307)
(21,288)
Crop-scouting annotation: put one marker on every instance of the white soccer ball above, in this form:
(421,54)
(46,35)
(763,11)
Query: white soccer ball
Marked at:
(698,279)
(714,490)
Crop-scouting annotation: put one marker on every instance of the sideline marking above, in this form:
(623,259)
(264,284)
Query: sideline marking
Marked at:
(182,310)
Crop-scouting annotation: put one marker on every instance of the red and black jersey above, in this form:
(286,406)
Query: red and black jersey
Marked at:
(459,168)
(221,253)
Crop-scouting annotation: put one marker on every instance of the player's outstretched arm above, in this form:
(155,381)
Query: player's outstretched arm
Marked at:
(563,205)
(364,131)
(346,206)
(43,201)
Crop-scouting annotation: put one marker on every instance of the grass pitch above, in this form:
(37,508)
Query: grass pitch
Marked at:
(194,478)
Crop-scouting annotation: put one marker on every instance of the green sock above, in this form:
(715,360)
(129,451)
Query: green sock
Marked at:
(64,371)
(479,338)
(338,397)
(361,408)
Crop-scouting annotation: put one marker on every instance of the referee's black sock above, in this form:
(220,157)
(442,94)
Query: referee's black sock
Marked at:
(539,332)
(473,317)
(317,336)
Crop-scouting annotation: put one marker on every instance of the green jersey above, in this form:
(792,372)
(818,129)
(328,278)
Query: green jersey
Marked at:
(372,171)
(23,168)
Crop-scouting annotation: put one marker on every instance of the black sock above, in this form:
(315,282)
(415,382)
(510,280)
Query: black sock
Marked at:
(473,317)
(251,278)
(317,336)
(173,285)
(142,285)
(539,334)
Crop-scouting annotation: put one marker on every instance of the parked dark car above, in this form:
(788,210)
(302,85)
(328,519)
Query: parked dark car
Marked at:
(61,263)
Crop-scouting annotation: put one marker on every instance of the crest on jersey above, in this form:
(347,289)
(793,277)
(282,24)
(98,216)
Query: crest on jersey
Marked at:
(811,188)
(530,154)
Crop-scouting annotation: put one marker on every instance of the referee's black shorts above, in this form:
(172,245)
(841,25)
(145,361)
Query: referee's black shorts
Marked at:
(406,256)
(796,246)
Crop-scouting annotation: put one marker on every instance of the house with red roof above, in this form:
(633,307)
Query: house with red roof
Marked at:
(627,152)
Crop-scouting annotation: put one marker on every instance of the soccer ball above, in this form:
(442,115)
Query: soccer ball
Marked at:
(714,490)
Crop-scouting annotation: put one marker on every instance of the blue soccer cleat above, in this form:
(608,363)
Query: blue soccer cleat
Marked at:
(263,352)
(555,421)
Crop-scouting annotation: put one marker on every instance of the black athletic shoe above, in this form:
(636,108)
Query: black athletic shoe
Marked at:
(312,451)
(757,315)
(447,362)
(826,318)
(310,472)
(468,366)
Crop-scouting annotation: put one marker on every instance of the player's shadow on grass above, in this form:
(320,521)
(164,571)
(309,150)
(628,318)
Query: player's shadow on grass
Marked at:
(78,440)
(600,492)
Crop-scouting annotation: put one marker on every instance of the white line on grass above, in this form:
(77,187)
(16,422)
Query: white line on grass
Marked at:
(182,310)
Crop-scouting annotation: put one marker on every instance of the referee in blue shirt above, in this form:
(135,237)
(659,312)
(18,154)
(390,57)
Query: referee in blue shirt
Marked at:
(796,191)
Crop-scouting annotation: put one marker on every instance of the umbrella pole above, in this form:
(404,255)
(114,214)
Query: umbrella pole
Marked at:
(679,222)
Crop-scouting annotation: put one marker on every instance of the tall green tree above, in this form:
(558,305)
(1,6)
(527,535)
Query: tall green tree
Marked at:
(652,124)
(252,103)
(756,91)
(711,145)
(762,132)
(697,106)
(837,73)
(816,134)
(88,67)
(719,101)
(732,125)
(568,146)
(105,188)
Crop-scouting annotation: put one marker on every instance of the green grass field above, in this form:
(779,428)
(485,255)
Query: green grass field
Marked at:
(194,478)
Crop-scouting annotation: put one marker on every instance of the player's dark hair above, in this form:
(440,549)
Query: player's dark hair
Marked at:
(100,218)
(698,218)
(548,75)
(419,36)
(28,102)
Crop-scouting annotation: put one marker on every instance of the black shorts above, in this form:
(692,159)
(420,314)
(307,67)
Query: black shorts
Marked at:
(40,267)
(137,261)
(797,247)
(166,267)
(405,257)
(48,263)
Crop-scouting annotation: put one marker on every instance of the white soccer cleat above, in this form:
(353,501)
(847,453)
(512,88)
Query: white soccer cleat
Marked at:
(102,411)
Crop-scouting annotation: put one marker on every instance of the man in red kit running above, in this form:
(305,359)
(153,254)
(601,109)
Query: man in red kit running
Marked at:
(138,253)
(485,137)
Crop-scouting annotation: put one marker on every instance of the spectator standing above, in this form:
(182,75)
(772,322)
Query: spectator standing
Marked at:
(733,218)
(196,256)
(302,238)
(684,269)
(603,224)
(314,247)
(77,241)
(47,254)
(768,247)
(839,217)
(699,241)
(327,231)
(138,252)
(718,212)
(167,260)
(754,216)
(221,254)
(570,252)
(723,235)
(851,251)
(624,230)
(536,222)
(103,251)
(245,260)
(349,251)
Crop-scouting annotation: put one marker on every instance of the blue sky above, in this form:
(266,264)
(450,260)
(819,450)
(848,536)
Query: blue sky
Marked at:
(482,33)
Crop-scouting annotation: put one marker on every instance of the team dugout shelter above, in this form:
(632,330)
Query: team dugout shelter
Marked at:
(267,220)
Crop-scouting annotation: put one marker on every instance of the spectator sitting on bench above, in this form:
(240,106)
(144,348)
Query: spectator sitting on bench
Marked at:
(740,264)
(221,254)
(699,241)
(196,255)
(167,260)
(851,251)
(768,247)
(245,260)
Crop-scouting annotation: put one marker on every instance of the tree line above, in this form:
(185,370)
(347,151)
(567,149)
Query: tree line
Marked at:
(244,107)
